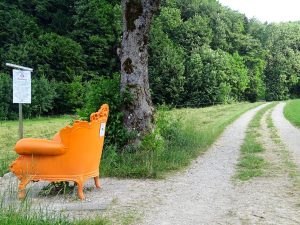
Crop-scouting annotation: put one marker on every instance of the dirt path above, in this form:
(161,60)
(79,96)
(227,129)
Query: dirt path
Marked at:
(290,135)
(207,194)
(203,194)
(271,198)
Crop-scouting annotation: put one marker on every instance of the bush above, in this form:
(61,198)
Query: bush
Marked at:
(152,157)
(43,94)
(5,96)
(107,90)
(53,56)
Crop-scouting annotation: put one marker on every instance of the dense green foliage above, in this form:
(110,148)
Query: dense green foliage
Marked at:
(68,43)
(201,53)
(283,60)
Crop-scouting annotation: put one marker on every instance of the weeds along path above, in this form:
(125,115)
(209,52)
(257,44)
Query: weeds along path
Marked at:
(202,194)
(289,134)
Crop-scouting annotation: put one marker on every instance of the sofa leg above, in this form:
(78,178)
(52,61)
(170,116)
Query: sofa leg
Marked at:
(22,188)
(97,182)
(80,190)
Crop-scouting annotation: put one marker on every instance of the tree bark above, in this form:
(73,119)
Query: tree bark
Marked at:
(138,110)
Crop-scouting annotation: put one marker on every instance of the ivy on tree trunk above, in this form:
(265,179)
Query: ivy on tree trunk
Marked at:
(137,17)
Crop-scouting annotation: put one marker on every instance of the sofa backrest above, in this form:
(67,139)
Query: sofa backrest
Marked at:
(85,140)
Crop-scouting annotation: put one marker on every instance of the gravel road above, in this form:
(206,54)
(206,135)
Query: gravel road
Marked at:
(289,134)
(204,194)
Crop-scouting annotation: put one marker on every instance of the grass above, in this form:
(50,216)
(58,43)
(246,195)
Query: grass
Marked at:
(292,112)
(26,213)
(251,164)
(181,136)
(13,212)
(15,217)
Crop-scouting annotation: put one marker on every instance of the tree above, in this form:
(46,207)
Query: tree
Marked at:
(43,95)
(5,96)
(166,68)
(282,68)
(98,28)
(137,18)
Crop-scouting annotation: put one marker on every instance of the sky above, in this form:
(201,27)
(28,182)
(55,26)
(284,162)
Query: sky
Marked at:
(267,10)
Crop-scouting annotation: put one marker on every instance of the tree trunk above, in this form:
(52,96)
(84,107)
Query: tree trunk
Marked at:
(138,110)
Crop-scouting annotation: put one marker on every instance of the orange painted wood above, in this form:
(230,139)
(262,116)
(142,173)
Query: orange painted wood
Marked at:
(31,146)
(73,154)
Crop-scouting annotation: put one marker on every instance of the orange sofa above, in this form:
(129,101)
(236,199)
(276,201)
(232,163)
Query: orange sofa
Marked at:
(73,154)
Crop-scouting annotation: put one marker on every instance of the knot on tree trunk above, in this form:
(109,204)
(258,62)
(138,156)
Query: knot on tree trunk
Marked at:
(128,67)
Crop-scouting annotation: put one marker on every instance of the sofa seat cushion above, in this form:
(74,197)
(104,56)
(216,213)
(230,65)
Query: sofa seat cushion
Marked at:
(31,146)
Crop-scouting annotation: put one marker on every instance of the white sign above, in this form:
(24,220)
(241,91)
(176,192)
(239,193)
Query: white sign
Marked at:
(102,129)
(21,86)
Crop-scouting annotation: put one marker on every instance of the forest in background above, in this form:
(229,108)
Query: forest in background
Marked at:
(201,54)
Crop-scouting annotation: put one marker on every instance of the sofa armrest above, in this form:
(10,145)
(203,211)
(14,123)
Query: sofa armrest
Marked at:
(30,146)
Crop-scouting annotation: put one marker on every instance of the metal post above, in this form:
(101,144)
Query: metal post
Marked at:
(20,121)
